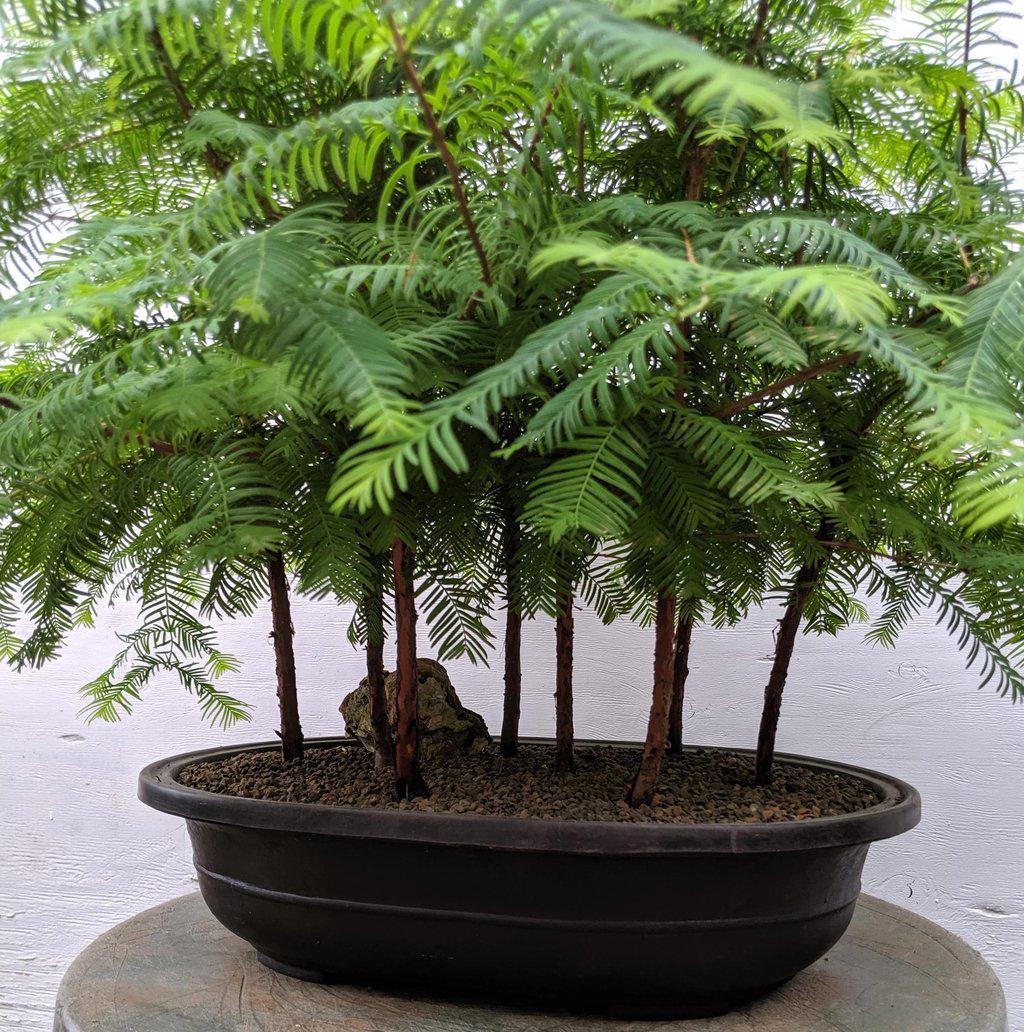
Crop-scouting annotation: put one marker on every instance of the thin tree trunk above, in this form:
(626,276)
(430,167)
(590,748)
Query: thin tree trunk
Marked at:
(806,579)
(961,108)
(565,759)
(408,782)
(383,743)
(757,36)
(284,654)
(658,723)
(383,736)
(680,671)
(441,144)
(513,681)
(513,639)
(788,627)
(513,643)
(697,169)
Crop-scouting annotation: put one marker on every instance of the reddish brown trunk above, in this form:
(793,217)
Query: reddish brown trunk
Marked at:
(658,723)
(383,732)
(961,111)
(383,742)
(408,783)
(757,36)
(806,579)
(513,646)
(284,655)
(440,142)
(513,681)
(565,759)
(697,169)
(680,671)
(788,627)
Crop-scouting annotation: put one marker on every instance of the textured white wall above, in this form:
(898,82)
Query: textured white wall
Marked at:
(79,853)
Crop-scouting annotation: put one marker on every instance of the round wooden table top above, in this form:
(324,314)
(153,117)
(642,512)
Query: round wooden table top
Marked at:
(174,969)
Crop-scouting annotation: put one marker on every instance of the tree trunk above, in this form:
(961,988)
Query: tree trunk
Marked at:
(564,759)
(383,742)
(806,579)
(284,655)
(788,627)
(680,671)
(408,783)
(513,648)
(658,723)
(383,736)
(513,681)
(961,108)
(697,169)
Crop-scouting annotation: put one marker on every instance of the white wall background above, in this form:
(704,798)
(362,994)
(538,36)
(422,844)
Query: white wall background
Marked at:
(79,853)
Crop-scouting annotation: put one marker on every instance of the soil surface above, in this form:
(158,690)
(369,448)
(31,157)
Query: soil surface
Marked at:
(696,788)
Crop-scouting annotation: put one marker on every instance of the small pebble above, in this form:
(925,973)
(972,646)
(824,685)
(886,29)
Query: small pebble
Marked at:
(700,787)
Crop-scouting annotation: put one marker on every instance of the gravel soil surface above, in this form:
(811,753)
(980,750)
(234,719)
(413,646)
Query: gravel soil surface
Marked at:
(697,788)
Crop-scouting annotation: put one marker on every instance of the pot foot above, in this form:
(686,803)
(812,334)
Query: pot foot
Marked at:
(301,973)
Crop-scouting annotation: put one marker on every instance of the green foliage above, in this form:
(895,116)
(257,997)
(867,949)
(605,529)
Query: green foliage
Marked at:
(579,302)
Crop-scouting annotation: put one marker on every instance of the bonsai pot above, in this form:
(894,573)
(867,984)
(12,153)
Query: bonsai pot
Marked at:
(633,920)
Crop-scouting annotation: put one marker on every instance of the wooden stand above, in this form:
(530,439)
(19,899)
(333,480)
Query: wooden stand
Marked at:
(174,969)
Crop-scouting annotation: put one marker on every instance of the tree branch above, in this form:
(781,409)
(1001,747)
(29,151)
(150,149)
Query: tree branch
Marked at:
(437,135)
(531,151)
(216,163)
(961,109)
(813,372)
(801,376)
(757,36)
(163,447)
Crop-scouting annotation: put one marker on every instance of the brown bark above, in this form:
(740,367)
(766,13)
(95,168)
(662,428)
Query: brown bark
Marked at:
(806,579)
(702,154)
(802,376)
(697,169)
(513,644)
(750,58)
(961,109)
(216,163)
(680,671)
(513,681)
(565,759)
(441,144)
(408,782)
(658,722)
(805,198)
(757,36)
(788,627)
(383,743)
(383,735)
(284,654)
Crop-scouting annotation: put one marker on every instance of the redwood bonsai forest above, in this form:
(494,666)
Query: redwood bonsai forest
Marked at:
(466,316)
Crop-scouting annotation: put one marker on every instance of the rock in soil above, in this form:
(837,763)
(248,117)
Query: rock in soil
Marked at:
(701,787)
(446,726)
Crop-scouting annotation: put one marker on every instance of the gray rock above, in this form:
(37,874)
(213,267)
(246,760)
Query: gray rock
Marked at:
(446,726)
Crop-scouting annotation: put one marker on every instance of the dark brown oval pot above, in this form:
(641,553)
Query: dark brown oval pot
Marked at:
(636,920)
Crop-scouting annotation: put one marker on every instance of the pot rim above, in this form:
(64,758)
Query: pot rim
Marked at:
(898,811)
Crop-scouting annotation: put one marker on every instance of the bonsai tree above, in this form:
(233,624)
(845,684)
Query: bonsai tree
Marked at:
(497,305)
